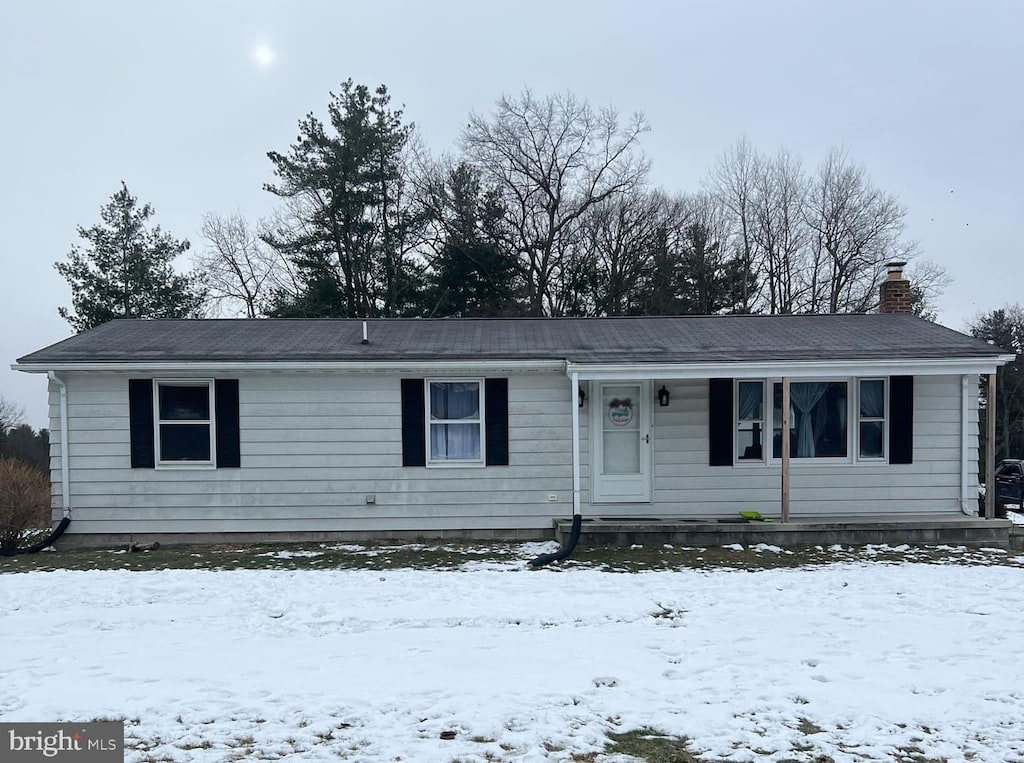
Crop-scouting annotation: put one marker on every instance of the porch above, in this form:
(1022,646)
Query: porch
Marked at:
(705,532)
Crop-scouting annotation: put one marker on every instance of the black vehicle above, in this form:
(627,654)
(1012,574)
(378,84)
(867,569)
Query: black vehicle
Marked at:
(1010,481)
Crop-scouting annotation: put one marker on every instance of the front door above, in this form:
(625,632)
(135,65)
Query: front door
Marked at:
(621,442)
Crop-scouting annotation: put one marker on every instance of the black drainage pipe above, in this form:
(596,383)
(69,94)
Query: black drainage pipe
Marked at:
(48,540)
(567,547)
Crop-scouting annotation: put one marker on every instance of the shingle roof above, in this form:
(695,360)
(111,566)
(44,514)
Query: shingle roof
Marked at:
(641,339)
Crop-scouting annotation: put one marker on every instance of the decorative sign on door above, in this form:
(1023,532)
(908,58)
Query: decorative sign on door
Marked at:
(620,411)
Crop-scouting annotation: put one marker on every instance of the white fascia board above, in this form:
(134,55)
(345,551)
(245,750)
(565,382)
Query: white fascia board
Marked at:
(792,369)
(412,366)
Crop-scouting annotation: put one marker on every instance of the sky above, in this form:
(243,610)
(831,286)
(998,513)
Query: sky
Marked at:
(182,100)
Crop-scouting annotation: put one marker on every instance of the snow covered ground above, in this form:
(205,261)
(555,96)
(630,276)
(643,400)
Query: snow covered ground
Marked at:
(854,661)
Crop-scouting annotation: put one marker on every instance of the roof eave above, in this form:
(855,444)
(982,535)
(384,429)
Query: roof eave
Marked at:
(143,366)
(791,368)
(586,370)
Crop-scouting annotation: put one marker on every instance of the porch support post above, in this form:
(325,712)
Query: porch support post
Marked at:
(990,447)
(575,407)
(785,448)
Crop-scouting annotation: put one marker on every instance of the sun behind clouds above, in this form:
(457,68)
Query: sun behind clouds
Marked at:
(263,56)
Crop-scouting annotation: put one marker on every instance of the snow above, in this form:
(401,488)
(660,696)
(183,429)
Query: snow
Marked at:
(526,665)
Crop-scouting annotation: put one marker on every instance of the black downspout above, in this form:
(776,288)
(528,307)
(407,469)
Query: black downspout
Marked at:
(567,547)
(48,540)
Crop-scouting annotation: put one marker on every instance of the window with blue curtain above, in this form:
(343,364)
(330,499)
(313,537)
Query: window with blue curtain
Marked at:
(818,426)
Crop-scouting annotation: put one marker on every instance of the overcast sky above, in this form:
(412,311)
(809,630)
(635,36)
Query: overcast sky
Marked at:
(182,100)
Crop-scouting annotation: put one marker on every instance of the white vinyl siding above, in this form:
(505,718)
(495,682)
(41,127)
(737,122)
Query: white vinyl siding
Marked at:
(313,446)
(686,486)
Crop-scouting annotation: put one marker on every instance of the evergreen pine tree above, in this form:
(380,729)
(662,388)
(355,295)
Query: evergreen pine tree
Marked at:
(350,235)
(126,269)
(473,275)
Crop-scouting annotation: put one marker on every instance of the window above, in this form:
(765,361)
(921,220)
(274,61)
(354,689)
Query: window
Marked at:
(455,431)
(871,430)
(750,420)
(818,412)
(184,422)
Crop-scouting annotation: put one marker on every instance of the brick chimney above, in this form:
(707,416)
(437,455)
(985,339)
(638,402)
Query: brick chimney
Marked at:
(895,290)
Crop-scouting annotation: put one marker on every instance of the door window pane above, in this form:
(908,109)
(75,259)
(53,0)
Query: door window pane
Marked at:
(621,452)
(620,424)
(621,408)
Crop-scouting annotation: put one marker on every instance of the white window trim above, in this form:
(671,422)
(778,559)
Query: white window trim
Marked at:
(884,458)
(766,429)
(454,463)
(158,422)
(825,461)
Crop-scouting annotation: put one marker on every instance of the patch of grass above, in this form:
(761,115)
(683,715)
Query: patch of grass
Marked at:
(809,727)
(651,746)
(914,754)
(204,744)
(452,555)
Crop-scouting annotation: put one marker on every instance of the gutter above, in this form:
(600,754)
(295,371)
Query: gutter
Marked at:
(792,368)
(289,365)
(65,474)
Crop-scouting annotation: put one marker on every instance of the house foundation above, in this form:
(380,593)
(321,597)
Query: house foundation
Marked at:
(845,531)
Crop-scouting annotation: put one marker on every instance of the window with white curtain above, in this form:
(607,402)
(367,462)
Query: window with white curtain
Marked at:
(871,429)
(750,421)
(818,412)
(454,414)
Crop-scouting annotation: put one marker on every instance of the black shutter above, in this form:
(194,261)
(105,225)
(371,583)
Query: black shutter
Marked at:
(496,421)
(901,419)
(140,423)
(225,393)
(720,421)
(414,436)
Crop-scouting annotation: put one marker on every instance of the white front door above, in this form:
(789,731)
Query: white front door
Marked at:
(621,442)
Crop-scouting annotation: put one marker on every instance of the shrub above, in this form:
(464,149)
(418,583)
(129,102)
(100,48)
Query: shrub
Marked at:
(24,502)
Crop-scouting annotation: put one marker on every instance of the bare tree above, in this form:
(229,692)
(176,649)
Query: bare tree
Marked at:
(619,237)
(928,280)
(10,415)
(553,159)
(733,181)
(855,229)
(779,230)
(239,269)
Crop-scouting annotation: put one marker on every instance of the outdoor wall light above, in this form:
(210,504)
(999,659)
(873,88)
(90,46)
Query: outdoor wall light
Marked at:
(663,396)
(583,397)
